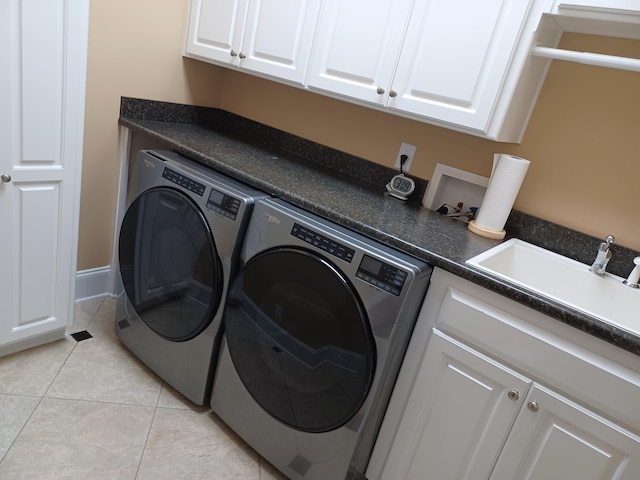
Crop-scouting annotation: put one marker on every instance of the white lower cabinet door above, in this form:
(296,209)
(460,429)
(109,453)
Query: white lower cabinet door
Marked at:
(554,438)
(457,417)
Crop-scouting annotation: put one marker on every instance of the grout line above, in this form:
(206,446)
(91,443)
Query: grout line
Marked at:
(146,440)
(23,425)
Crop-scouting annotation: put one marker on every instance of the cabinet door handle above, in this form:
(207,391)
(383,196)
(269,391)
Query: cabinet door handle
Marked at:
(533,406)
(392,93)
(233,53)
(242,56)
(5,178)
(513,395)
(380,90)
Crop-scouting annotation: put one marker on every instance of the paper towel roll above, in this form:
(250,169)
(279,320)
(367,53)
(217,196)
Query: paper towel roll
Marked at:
(504,184)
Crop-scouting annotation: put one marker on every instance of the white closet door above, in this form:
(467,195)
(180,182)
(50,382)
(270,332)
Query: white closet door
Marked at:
(42,90)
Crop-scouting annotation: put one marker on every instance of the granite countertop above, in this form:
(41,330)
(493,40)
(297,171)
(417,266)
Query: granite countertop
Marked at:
(350,192)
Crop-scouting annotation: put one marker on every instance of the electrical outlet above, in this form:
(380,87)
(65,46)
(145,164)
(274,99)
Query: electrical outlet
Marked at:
(409,151)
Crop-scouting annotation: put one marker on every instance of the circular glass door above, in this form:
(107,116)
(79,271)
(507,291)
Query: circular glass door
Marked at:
(169,265)
(300,339)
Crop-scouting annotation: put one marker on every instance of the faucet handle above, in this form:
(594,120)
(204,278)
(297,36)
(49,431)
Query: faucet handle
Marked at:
(634,276)
(609,239)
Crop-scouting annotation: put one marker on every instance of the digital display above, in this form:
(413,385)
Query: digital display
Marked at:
(371,265)
(402,184)
(216,197)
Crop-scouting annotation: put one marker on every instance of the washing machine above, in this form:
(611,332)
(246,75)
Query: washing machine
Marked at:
(179,244)
(317,322)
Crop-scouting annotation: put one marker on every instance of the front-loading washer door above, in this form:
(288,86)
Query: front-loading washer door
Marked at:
(300,339)
(169,265)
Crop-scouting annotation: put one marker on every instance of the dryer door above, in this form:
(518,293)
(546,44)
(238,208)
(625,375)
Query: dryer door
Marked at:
(300,339)
(169,265)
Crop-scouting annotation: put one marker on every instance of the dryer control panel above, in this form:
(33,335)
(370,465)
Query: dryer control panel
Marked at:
(382,275)
(323,243)
(183,181)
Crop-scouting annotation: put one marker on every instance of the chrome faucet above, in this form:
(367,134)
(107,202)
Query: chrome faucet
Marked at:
(603,256)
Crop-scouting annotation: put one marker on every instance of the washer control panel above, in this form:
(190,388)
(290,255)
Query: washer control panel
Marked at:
(224,204)
(184,181)
(382,275)
(323,243)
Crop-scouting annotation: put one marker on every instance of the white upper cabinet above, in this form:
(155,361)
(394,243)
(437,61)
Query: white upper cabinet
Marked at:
(455,57)
(453,63)
(265,37)
(357,48)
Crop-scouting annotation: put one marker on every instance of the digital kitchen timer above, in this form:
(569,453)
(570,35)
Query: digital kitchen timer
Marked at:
(401,186)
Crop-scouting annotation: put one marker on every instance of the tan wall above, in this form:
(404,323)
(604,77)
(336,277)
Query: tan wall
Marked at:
(135,50)
(583,139)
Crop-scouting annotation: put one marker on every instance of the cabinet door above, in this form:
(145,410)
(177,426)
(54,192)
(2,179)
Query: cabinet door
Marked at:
(455,57)
(457,417)
(42,87)
(357,47)
(278,37)
(215,30)
(555,438)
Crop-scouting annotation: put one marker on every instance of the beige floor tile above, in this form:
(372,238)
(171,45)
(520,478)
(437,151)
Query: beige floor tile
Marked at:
(14,413)
(171,398)
(102,325)
(195,445)
(84,313)
(70,439)
(104,370)
(31,371)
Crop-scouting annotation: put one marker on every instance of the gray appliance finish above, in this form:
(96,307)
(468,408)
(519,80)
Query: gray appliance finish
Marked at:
(317,323)
(179,243)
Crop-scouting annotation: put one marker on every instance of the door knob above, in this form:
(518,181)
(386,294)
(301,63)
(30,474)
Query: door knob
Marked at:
(5,178)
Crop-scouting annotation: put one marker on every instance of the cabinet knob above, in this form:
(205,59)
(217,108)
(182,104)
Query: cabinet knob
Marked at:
(533,406)
(242,56)
(5,178)
(392,93)
(380,90)
(233,53)
(513,395)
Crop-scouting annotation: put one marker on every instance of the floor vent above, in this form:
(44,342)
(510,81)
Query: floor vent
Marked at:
(83,335)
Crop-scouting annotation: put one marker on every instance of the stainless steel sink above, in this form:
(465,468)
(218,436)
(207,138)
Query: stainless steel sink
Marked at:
(564,280)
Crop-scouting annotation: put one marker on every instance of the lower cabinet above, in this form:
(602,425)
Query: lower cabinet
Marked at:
(480,406)
(554,437)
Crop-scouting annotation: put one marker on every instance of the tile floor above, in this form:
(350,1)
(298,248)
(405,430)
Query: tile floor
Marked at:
(91,410)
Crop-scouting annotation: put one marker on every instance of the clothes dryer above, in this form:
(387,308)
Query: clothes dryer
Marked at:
(179,244)
(317,322)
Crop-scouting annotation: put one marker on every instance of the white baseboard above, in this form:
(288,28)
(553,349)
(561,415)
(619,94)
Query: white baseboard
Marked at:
(93,283)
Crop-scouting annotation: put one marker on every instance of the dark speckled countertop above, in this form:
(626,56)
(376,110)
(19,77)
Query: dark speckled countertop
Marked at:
(350,191)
